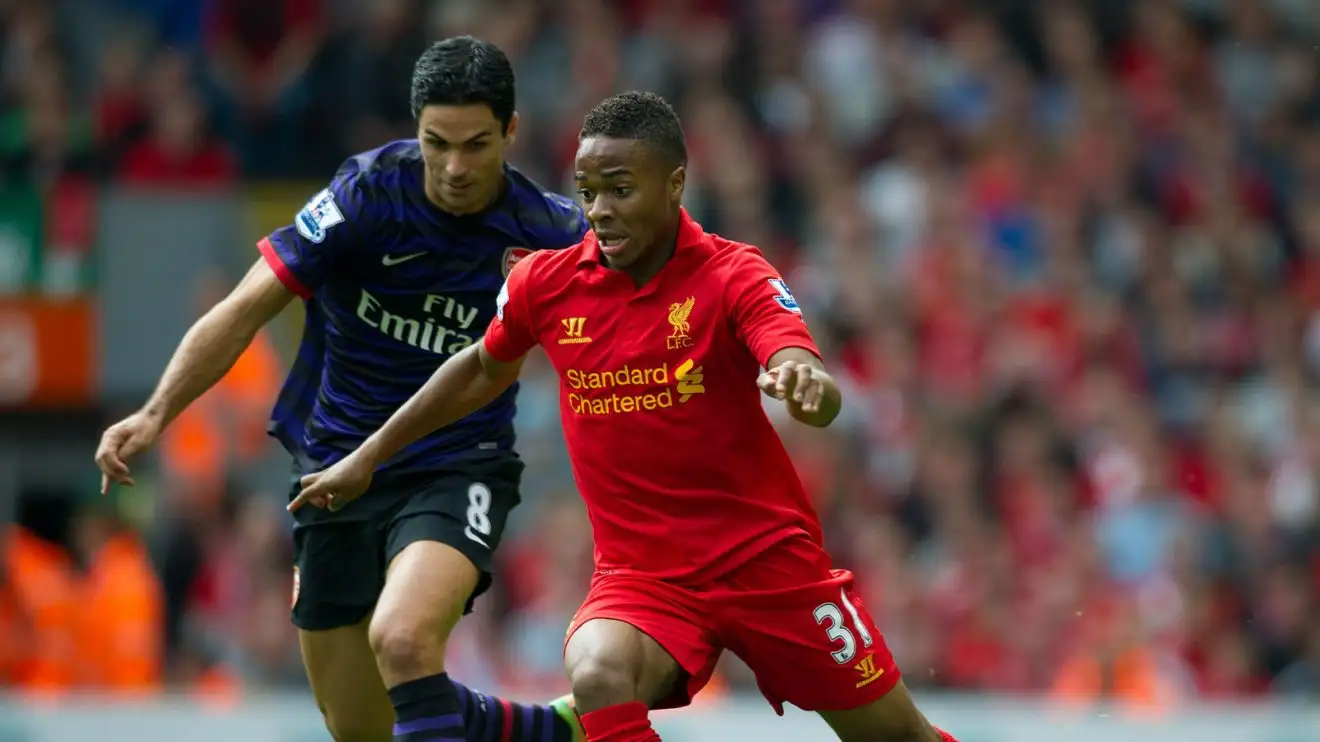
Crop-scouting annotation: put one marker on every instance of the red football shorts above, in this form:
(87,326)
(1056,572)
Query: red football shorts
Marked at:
(807,636)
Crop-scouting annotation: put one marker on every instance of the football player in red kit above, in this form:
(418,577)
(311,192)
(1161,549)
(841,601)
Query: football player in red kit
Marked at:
(705,538)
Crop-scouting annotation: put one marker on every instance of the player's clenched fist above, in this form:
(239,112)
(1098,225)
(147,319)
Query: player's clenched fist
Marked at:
(335,487)
(121,441)
(800,386)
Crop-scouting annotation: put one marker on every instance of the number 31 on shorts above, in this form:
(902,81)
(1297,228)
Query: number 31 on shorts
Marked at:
(831,617)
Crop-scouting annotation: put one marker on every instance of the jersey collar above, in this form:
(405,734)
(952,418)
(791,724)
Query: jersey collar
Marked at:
(690,234)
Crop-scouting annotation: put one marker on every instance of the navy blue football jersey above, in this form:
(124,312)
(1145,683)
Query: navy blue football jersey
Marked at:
(393,286)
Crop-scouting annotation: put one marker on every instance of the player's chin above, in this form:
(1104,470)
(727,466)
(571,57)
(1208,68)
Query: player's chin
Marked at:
(461,200)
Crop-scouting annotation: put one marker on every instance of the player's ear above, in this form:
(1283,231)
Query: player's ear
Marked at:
(511,131)
(677,182)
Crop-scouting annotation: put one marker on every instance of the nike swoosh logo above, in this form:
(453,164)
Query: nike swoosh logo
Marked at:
(390,261)
(473,535)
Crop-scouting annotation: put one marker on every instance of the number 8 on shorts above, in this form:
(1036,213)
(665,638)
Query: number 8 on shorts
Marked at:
(478,514)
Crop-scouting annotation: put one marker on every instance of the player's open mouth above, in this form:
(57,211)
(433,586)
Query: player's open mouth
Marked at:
(611,244)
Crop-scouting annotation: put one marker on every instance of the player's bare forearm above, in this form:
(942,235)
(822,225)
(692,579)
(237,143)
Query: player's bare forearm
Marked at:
(212,345)
(462,385)
(798,377)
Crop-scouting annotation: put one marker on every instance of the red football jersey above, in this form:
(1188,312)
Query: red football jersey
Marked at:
(683,475)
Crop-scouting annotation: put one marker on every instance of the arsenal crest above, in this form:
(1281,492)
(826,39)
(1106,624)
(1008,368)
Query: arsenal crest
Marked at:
(511,257)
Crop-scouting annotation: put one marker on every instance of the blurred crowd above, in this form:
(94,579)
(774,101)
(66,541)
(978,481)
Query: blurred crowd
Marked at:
(1064,254)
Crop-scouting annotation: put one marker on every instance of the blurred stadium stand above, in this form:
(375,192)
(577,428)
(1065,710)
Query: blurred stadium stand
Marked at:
(1065,254)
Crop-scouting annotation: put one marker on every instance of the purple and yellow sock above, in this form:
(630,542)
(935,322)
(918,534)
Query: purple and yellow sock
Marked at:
(427,710)
(492,719)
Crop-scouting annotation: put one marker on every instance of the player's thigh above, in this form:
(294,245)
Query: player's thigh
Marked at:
(428,585)
(638,640)
(813,645)
(892,718)
(466,510)
(341,669)
(440,548)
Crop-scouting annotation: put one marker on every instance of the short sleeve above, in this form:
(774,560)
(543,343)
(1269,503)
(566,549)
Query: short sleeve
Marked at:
(510,335)
(300,253)
(765,315)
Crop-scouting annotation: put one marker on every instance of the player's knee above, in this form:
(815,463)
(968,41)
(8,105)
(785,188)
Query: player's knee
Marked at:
(599,682)
(405,647)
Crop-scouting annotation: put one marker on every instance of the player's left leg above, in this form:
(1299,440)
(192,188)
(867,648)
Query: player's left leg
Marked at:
(439,549)
(815,646)
(894,717)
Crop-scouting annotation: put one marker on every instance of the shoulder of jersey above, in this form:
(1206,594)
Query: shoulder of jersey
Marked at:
(726,254)
(551,218)
(382,160)
(379,175)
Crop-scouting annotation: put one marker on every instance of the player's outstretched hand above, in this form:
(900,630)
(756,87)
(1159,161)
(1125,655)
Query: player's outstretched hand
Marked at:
(335,487)
(798,385)
(122,441)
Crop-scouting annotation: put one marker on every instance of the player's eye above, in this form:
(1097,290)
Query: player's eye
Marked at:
(475,146)
(622,191)
(586,195)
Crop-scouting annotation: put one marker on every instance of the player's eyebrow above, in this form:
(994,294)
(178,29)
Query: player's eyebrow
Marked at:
(470,140)
(608,173)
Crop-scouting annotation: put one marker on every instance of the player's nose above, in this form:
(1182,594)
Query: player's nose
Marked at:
(600,211)
(455,169)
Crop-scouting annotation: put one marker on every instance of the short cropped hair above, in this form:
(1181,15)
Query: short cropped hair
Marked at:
(639,115)
(461,71)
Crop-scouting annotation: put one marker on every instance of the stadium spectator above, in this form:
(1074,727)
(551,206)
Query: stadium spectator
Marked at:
(179,149)
(259,53)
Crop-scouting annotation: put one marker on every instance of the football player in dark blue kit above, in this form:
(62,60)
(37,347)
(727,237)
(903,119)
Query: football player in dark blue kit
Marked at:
(398,262)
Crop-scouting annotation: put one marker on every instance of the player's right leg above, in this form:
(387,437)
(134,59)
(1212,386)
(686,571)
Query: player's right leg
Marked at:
(352,624)
(439,545)
(342,671)
(346,683)
(635,645)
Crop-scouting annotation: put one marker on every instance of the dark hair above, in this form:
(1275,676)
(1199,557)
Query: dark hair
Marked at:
(460,71)
(638,115)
